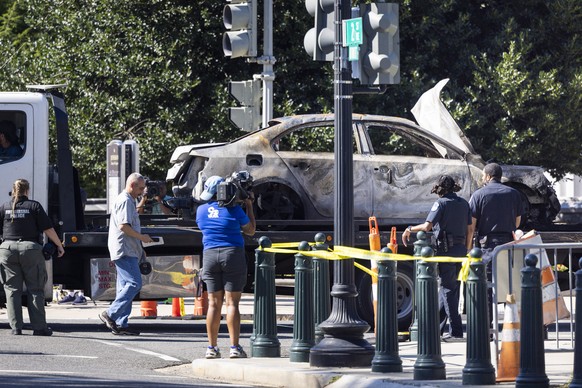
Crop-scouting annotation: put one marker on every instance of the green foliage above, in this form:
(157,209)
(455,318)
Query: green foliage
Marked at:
(154,71)
(525,97)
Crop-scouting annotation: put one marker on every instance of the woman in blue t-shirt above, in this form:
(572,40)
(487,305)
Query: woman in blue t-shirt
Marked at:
(225,266)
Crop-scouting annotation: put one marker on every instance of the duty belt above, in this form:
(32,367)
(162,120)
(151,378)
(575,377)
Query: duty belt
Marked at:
(495,238)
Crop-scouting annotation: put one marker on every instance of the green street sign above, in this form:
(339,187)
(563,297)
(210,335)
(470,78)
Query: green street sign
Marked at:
(353,32)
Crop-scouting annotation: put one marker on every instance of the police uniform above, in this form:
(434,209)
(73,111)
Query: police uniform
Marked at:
(450,215)
(22,260)
(495,206)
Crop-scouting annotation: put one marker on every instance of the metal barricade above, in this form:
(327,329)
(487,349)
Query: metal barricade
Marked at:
(516,252)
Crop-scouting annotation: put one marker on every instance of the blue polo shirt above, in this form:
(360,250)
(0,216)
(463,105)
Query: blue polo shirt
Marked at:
(221,226)
(496,206)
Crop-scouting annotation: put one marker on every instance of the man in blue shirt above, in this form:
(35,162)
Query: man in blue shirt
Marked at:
(224,263)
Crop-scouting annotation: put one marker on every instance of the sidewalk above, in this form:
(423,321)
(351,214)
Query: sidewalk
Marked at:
(280,372)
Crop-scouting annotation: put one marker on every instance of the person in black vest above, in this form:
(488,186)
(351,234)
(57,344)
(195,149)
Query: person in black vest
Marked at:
(449,219)
(496,211)
(21,259)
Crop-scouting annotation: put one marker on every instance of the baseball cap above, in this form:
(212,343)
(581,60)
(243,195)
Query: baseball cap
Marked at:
(210,187)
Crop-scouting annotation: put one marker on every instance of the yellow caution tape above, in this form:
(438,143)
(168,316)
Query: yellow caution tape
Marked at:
(340,253)
(366,270)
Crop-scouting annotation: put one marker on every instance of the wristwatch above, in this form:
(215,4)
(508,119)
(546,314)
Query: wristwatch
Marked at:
(409,228)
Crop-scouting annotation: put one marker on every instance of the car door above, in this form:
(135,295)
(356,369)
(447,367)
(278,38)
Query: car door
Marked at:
(404,172)
(308,152)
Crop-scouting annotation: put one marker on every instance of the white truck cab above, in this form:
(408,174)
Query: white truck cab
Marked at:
(28,111)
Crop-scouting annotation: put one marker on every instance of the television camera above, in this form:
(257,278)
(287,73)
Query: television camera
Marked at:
(235,189)
(153,188)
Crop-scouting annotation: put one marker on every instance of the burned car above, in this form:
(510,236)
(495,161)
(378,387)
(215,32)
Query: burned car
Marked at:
(395,164)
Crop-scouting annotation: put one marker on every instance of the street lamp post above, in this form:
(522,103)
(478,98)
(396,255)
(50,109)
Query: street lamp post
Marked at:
(343,344)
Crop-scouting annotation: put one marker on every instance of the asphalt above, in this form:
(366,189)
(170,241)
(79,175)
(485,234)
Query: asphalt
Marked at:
(281,372)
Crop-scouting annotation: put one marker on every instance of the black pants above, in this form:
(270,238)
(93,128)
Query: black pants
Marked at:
(449,293)
(487,257)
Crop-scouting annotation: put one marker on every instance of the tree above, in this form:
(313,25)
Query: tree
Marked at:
(154,71)
(526,93)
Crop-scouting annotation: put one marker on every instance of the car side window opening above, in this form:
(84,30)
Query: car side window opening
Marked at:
(387,141)
(309,139)
(12,135)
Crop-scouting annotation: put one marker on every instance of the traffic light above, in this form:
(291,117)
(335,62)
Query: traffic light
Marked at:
(240,17)
(319,41)
(379,58)
(248,94)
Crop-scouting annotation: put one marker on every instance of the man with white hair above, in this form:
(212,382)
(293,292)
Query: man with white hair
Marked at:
(125,247)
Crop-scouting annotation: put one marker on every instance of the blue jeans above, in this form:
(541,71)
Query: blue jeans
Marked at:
(127,287)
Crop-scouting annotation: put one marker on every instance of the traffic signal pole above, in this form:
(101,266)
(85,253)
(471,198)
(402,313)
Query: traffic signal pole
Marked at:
(267,60)
(344,344)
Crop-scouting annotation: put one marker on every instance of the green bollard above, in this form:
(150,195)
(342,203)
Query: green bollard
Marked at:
(264,341)
(421,242)
(478,369)
(577,379)
(429,364)
(321,287)
(386,358)
(303,323)
(532,365)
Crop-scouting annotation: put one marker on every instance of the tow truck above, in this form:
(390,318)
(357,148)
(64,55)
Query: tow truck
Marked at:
(176,258)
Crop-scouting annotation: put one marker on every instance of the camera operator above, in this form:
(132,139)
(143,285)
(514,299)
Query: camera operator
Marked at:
(225,266)
(153,198)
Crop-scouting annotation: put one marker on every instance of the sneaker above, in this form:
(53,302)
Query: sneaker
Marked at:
(80,299)
(237,352)
(47,332)
(110,323)
(125,331)
(213,352)
(16,331)
(67,299)
(449,338)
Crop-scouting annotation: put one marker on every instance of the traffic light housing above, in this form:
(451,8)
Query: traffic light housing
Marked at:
(319,41)
(240,17)
(248,93)
(379,58)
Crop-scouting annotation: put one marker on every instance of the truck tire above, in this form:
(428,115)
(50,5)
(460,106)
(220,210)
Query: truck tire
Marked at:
(404,296)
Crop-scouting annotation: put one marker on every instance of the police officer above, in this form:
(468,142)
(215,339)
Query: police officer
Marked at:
(449,219)
(21,260)
(496,211)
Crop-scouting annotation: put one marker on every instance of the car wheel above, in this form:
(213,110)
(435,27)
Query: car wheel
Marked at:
(404,296)
(277,202)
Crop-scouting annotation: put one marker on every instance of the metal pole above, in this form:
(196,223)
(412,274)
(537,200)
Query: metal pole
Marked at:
(386,358)
(478,369)
(321,300)
(303,323)
(429,363)
(267,60)
(264,341)
(532,363)
(577,375)
(344,344)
